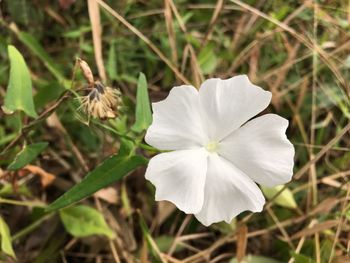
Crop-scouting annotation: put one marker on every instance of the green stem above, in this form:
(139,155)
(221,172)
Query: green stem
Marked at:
(138,141)
(20,203)
(31,227)
(148,147)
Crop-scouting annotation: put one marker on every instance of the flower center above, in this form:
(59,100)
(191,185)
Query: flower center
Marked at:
(212,146)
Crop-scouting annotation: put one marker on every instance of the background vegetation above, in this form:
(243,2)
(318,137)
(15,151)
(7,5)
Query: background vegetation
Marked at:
(297,50)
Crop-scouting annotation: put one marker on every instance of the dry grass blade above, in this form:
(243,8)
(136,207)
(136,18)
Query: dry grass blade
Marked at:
(177,15)
(315,229)
(95,20)
(145,39)
(54,122)
(198,77)
(323,151)
(341,221)
(280,227)
(313,172)
(302,240)
(218,7)
(302,39)
(170,29)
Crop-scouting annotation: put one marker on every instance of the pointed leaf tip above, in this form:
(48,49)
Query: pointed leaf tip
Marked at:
(19,95)
(143,107)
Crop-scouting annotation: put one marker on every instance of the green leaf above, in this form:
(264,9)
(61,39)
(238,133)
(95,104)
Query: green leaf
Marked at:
(255,259)
(326,250)
(19,95)
(225,228)
(143,107)
(77,33)
(207,59)
(285,199)
(8,189)
(165,242)
(347,214)
(332,96)
(82,221)
(112,62)
(299,258)
(6,245)
(27,155)
(110,171)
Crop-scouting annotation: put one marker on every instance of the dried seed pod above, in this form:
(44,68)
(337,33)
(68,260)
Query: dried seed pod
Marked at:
(102,102)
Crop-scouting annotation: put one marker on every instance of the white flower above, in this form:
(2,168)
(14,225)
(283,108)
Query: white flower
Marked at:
(217,153)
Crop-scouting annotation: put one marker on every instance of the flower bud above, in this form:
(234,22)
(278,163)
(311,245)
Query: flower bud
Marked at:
(86,71)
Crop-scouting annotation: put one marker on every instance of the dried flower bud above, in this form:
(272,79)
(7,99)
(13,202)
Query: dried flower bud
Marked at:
(86,71)
(102,102)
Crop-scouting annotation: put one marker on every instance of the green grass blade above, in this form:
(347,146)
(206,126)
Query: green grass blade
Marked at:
(110,171)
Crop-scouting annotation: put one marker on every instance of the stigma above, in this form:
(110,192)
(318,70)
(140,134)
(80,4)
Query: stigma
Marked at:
(212,146)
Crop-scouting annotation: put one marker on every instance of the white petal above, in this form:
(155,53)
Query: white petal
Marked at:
(176,121)
(179,177)
(227,104)
(228,192)
(260,149)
